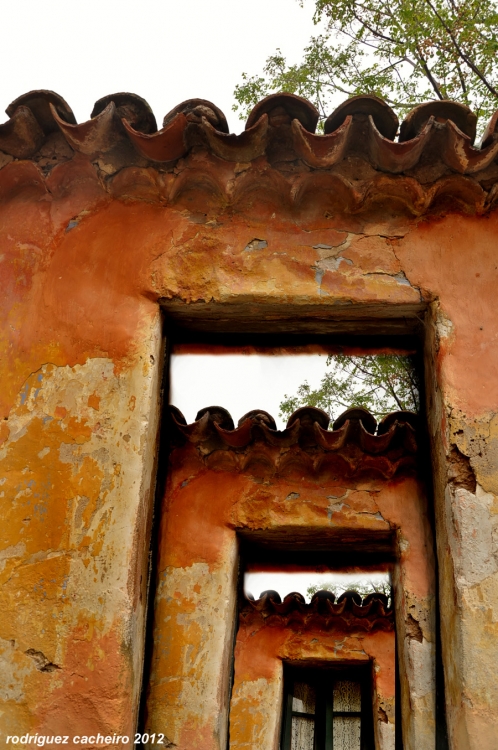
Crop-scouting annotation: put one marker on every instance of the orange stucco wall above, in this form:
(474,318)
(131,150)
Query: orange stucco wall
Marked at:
(86,263)
(203,508)
(256,707)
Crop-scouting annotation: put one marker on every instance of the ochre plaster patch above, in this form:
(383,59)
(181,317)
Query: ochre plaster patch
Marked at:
(73,493)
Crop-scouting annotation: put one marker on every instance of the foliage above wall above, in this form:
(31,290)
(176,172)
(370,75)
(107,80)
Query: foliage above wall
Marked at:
(381,383)
(405,51)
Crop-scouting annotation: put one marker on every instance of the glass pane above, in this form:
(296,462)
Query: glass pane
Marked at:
(347,696)
(303,733)
(347,733)
(303,698)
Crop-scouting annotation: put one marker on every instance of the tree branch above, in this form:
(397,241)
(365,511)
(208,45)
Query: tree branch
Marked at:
(377,34)
(460,51)
(462,79)
(428,74)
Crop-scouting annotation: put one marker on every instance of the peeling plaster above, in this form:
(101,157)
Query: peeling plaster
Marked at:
(90,295)
(74,506)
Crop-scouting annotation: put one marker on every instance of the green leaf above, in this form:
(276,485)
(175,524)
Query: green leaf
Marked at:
(406,52)
(381,383)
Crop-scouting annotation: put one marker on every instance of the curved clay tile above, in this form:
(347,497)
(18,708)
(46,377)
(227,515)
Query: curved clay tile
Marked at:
(217,414)
(456,190)
(294,602)
(397,429)
(39,103)
(21,136)
(195,110)
(324,151)
(207,183)
(351,596)
(489,133)
(308,416)
(259,416)
(257,461)
(319,192)
(381,113)
(295,596)
(332,440)
(282,109)
(376,444)
(177,415)
(323,595)
(196,432)
(404,192)
(444,110)
(167,144)
(394,156)
(352,169)
(376,597)
(267,596)
(321,151)
(93,136)
(245,147)
(408,435)
(340,463)
(292,462)
(358,414)
(284,438)
(459,154)
(304,448)
(373,607)
(238,437)
(398,417)
(130,106)
(267,185)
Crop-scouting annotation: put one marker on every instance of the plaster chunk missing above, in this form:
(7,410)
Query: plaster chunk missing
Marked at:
(413,629)
(256,244)
(41,662)
(324,249)
(401,278)
(382,715)
(444,326)
(460,471)
(332,264)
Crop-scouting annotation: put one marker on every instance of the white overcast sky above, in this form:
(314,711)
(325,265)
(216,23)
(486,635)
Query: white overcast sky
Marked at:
(241,382)
(285,583)
(166,51)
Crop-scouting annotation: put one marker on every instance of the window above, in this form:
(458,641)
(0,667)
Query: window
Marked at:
(327,709)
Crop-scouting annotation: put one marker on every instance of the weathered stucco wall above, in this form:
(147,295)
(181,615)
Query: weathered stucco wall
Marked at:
(88,254)
(256,707)
(77,477)
(207,501)
(77,471)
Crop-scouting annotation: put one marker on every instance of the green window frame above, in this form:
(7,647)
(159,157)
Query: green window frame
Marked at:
(321,684)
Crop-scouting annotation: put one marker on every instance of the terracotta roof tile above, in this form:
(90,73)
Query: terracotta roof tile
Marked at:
(356,159)
(355,444)
(323,610)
